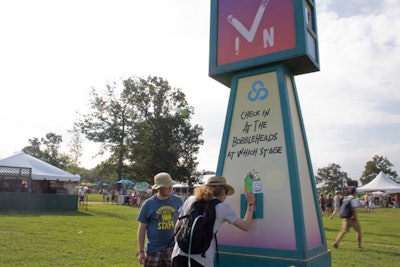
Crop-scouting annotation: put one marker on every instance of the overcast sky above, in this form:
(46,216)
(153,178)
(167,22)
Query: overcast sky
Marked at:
(53,52)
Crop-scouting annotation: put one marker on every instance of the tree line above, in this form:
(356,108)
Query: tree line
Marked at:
(143,125)
(332,178)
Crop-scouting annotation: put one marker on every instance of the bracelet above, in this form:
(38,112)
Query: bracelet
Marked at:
(137,254)
(251,207)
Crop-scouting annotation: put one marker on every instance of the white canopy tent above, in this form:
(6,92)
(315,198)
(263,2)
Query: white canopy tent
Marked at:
(381,182)
(40,169)
(27,183)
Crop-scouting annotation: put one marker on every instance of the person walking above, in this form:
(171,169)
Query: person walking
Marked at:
(366,200)
(351,222)
(103,194)
(157,218)
(371,202)
(336,203)
(329,205)
(81,194)
(321,201)
(396,201)
(216,187)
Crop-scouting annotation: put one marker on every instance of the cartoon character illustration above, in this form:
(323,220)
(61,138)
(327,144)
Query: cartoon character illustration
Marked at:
(252,182)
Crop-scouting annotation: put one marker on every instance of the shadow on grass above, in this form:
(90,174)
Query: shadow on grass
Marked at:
(378,235)
(122,212)
(331,230)
(18,213)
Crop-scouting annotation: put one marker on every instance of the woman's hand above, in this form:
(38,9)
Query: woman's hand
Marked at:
(245,223)
(250,198)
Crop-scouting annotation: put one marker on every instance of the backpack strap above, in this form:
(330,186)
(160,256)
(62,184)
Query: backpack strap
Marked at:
(191,238)
(216,248)
(215,202)
(177,230)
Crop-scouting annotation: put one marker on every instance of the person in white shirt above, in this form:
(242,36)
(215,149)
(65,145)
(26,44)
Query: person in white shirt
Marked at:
(336,204)
(216,187)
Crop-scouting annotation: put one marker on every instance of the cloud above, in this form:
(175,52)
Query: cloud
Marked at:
(350,107)
(54,52)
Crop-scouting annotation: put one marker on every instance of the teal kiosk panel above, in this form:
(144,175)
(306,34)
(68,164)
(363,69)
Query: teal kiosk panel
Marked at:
(259,211)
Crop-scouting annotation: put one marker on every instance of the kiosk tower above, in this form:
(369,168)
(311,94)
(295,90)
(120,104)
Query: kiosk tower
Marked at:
(256,48)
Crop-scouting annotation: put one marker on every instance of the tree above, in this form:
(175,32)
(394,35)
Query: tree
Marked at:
(146,128)
(34,149)
(75,150)
(373,167)
(163,139)
(107,122)
(106,171)
(48,150)
(332,178)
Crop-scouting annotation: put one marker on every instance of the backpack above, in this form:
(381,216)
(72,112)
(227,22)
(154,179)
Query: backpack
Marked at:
(346,210)
(196,228)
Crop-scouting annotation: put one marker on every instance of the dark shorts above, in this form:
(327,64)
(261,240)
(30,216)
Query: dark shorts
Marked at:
(159,259)
(182,261)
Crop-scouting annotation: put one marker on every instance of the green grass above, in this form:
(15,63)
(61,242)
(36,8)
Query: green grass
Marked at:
(105,235)
(94,197)
(101,235)
(380,240)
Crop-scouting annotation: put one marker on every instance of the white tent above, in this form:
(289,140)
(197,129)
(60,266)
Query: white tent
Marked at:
(40,169)
(381,182)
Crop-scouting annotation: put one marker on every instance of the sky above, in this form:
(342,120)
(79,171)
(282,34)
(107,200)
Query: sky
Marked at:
(52,53)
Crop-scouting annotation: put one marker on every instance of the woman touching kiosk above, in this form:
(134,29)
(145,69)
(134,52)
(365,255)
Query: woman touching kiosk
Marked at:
(215,188)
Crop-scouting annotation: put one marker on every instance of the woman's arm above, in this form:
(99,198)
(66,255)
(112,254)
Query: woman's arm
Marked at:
(245,223)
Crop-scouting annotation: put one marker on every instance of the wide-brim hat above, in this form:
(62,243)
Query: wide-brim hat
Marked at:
(220,180)
(162,179)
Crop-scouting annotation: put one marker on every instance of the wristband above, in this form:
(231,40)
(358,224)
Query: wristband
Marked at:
(252,207)
(137,254)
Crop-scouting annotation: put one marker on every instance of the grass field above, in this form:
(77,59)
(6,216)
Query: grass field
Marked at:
(105,235)
(380,238)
